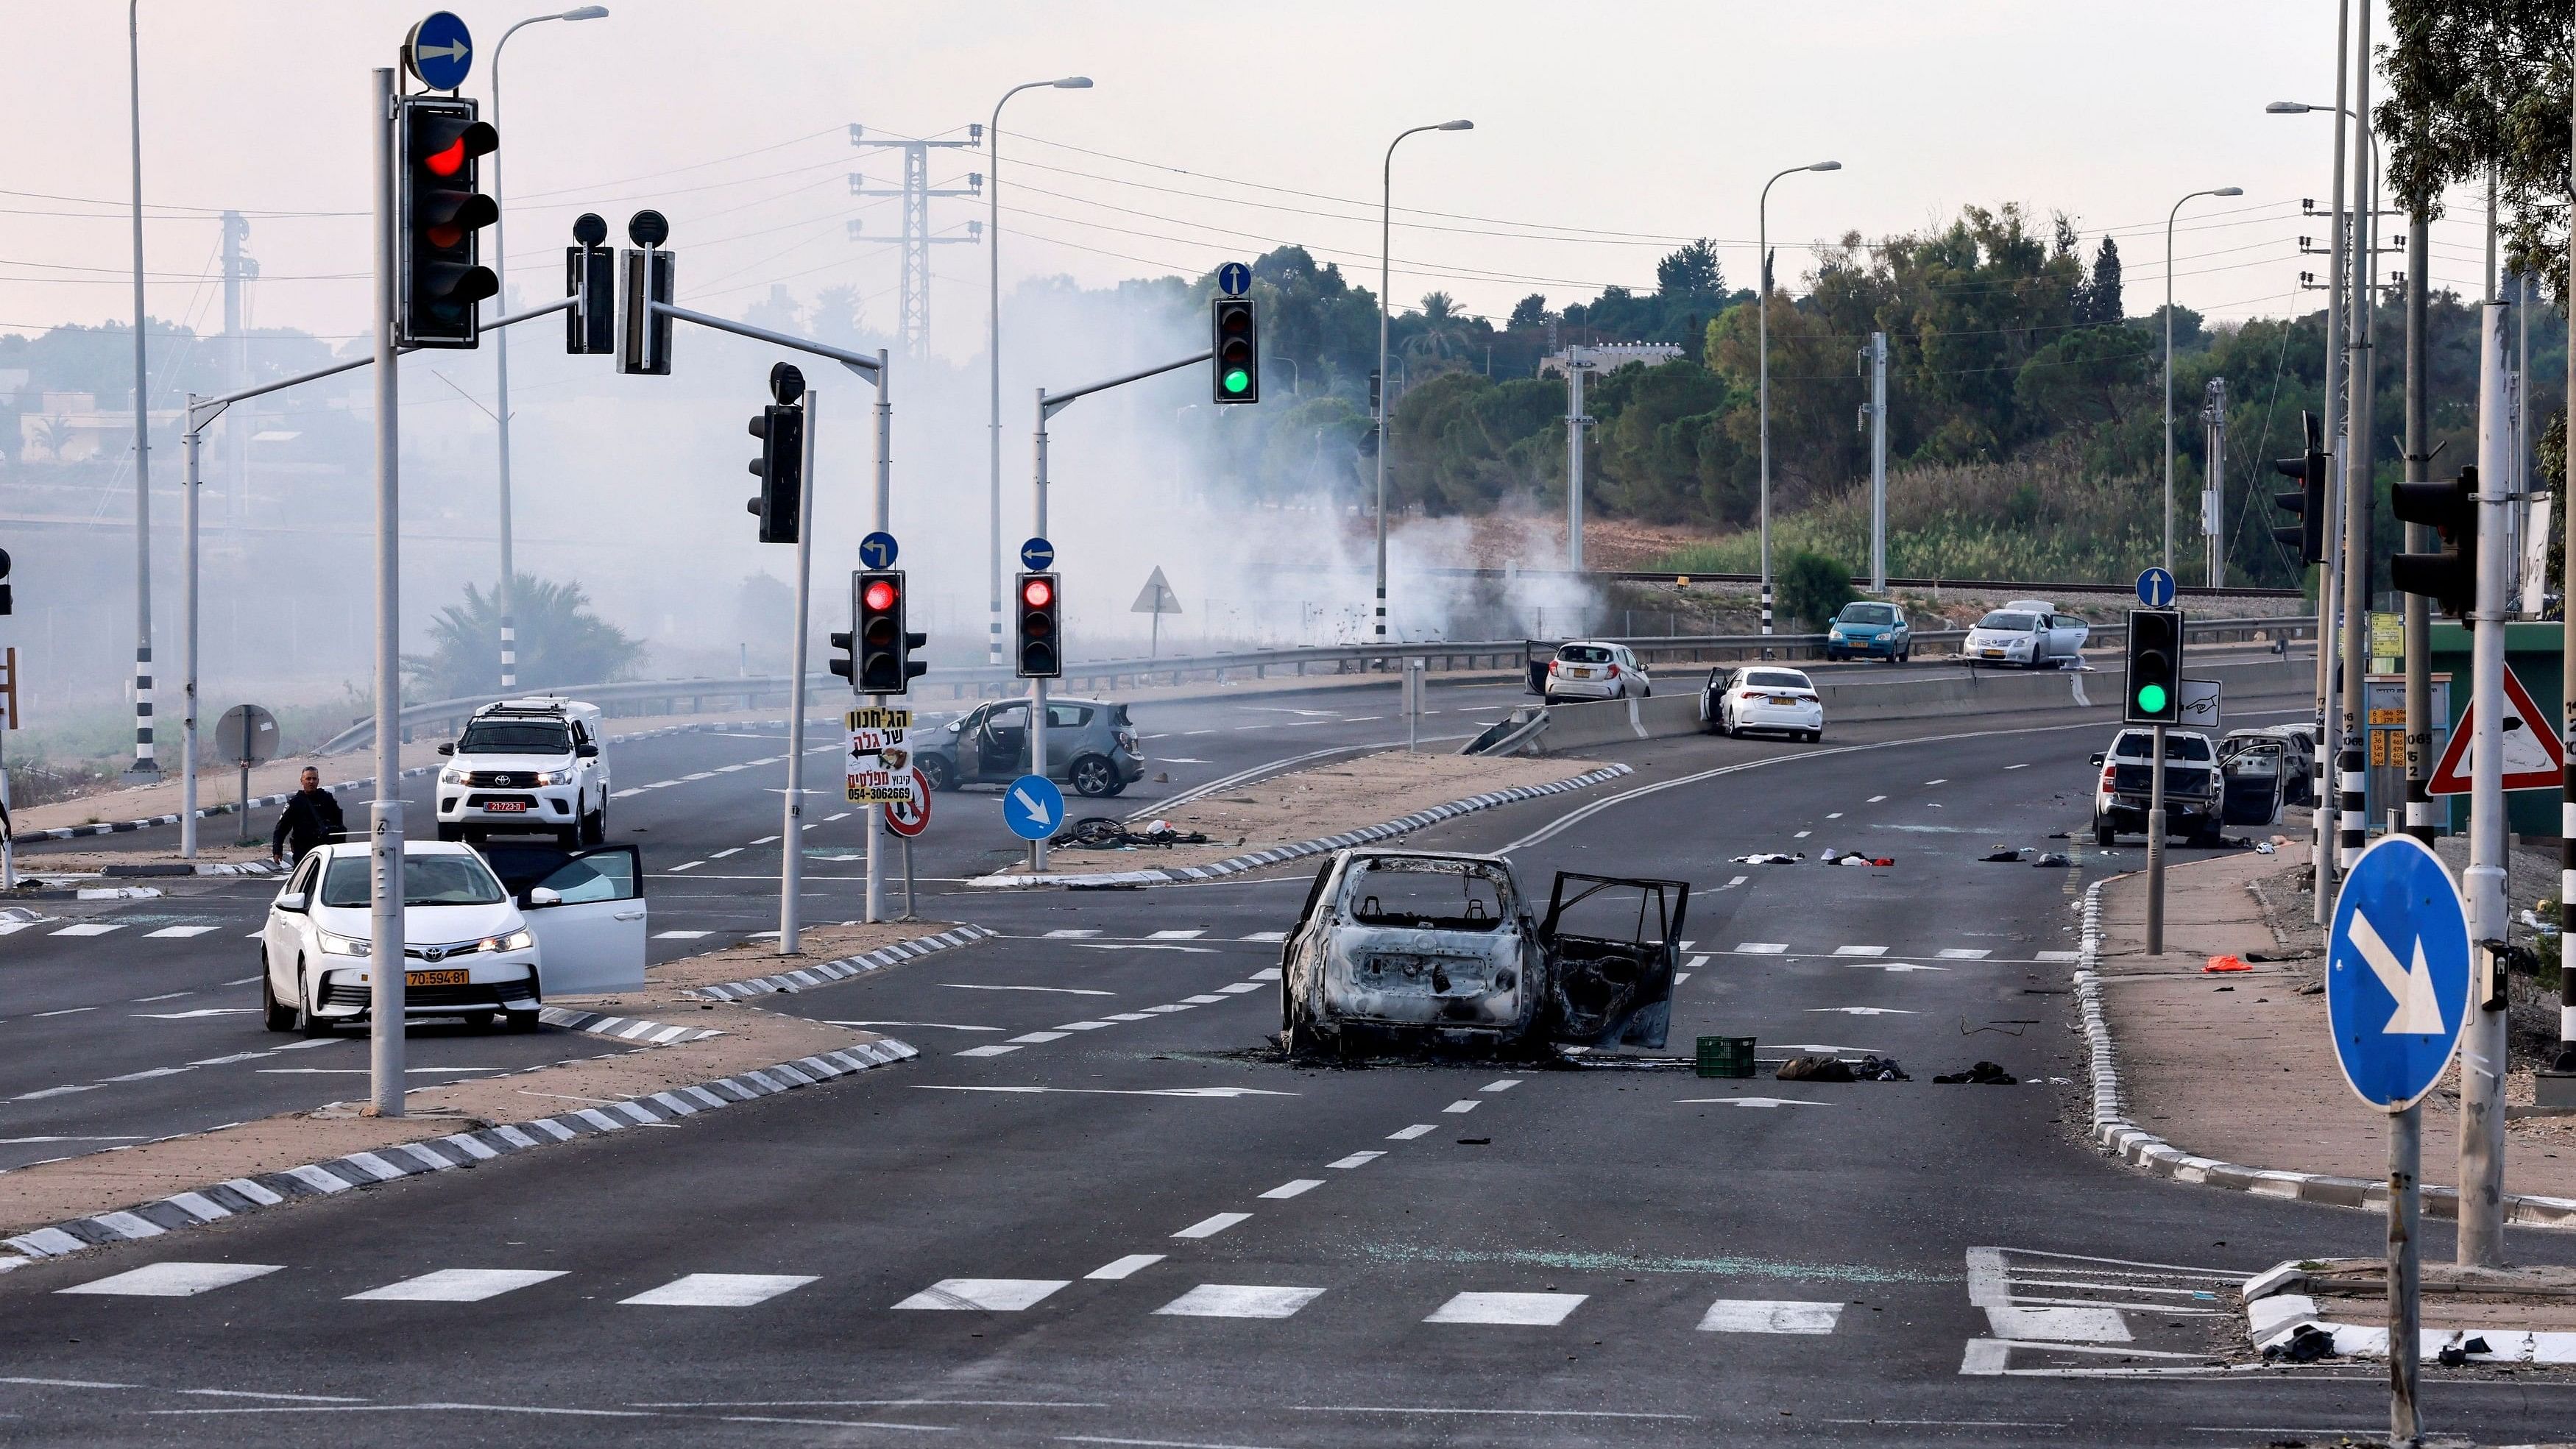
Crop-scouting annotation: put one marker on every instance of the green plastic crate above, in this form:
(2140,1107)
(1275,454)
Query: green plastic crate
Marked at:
(1726,1056)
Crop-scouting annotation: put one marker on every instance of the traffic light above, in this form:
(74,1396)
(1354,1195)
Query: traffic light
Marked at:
(1041,646)
(886,665)
(2155,667)
(1237,345)
(2449,578)
(590,279)
(846,644)
(781,464)
(2307,537)
(438,215)
(646,277)
(4,581)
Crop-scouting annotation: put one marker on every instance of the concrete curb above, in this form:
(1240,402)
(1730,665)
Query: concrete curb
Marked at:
(806,977)
(623,1028)
(2275,1312)
(438,1154)
(2142,1149)
(1236,865)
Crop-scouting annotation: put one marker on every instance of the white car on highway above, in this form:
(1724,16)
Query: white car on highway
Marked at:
(1763,697)
(2030,633)
(473,946)
(1590,669)
(526,765)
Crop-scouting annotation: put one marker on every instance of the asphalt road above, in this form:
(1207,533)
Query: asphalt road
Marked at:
(1133,1225)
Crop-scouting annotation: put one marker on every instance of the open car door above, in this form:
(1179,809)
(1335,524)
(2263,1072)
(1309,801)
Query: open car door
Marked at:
(1611,945)
(586,908)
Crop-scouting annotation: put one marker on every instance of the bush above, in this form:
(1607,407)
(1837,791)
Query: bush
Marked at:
(1814,588)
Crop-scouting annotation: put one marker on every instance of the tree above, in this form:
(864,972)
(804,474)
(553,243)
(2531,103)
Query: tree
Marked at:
(560,642)
(1529,311)
(2474,83)
(1814,588)
(2097,301)
(1691,274)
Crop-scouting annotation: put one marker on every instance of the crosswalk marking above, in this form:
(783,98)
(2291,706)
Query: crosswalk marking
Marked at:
(1209,1227)
(173,1280)
(1294,1188)
(1538,1310)
(457,1285)
(1272,936)
(177,933)
(1760,948)
(2059,1324)
(984,1295)
(1965,953)
(1860,950)
(1071,935)
(91,928)
(1126,1267)
(1759,1315)
(1240,1300)
(720,1290)
(1184,935)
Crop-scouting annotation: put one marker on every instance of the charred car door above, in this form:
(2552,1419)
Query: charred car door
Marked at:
(1611,943)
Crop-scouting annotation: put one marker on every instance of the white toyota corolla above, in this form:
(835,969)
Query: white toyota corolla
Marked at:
(1763,697)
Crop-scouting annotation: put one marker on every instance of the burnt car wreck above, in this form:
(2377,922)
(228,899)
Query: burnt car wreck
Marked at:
(1416,950)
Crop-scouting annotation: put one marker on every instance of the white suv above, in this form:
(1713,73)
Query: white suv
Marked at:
(526,764)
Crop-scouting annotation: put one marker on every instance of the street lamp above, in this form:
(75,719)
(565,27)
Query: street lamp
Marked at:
(144,769)
(993,340)
(501,414)
(1762,330)
(2169,306)
(1385,245)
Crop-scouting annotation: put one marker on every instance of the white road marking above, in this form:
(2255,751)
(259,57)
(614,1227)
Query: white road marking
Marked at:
(1409,1133)
(173,1280)
(721,1290)
(1070,935)
(1060,990)
(1211,1092)
(1680,976)
(1834,815)
(730,850)
(1965,953)
(1696,962)
(1464,1104)
(1127,1267)
(1129,1016)
(164,996)
(680,935)
(1209,1227)
(1240,987)
(1146,946)
(1801,835)
(1270,974)
(844,815)
(90,928)
(176,933)
(1356,1159)
(2023,766)
(1294,1188)
(1874,799)
(1240,1300)
(996,1050)
(1757,1315)
(1169,1006)
(692,865)
(1537,1310)
(1737,881)
(1747,1102)
(2059,1324)
(1073,1026)
(1760,948)
(1860,950)
(1203,1000)
(457,1285)
(1865,1010)
(1942,781)
(192,1015)
(1505,1085)
(766,840)
(2057,956)
(929,1025)
(1036,1037)
(1273,936)
(1894,967)
(1187,935)
(984,1295)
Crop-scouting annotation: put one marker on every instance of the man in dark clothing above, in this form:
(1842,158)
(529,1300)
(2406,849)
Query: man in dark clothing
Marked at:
(311,817)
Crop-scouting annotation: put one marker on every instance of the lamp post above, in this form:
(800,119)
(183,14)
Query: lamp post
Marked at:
(501,414)
(1762,330)
(993,337)
(2169,306)
(145,768)
(1385,273)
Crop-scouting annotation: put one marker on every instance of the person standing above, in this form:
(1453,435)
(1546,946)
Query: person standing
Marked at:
(311,817)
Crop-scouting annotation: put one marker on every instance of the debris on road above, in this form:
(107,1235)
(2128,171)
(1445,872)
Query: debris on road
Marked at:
(2006,855)
(2225,963)
(1108,832)
(1814,1067)
(1832,856)
(2052,860)
(1770,857)
(2306,1345)
(1982,1074)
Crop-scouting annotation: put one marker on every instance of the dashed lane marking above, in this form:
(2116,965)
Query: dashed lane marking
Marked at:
(1271,936)
(1801,835)
(1864,1010)
(1463,1104)
(996,1050)
(177,933)
(1874,799)
(1535,1310)
(1505,1085)
(1896,968)
(1059,990)
(1240,1300)
(1757,1315)
(1191,934)
(1860,950)
(2057,955)
(1356,1159)
(1296,1187)
(1126,1267)
(457,1285)
(1762,1102)
(1965,953)
(724,1290)
(692,865)
(1760,948)
(1696,962)
(173,1280)
(731,850)
(1409,1133)
(1209,1227)
(928,1025)
(680,935)
(1071,935)
(89,928)
(984,1295)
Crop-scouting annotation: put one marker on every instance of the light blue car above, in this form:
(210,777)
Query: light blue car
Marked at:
(1870,631)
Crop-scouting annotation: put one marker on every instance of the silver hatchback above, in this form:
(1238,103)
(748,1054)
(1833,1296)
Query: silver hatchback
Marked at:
(1090,745)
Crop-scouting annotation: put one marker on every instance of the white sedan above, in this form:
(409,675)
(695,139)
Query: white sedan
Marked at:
(1763,697)
(470,948)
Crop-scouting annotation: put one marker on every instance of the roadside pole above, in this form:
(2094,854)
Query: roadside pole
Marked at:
(2418,539)
(2329,595)
(791,833)
(2156,849)
(385,812)
(188,700)
(2353,828)
(875,818)
(2482,1042)
(2405,1269)
(1037,687)
(2566,1061)
(1876,352)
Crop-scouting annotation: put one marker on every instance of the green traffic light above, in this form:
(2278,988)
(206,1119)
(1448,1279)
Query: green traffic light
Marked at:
(1236,379)
(2151,698)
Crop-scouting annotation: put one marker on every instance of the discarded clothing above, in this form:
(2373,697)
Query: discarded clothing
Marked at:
(2051,860)
(1853,857)
(1879,1069)
(1815,1067)
(2306,1344)
(2225,963)
(1982,1074)
(1771,857)
(2006,855)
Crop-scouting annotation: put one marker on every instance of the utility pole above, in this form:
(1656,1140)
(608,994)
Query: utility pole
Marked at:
(2482,1036)
(2353,827)
(2329,737)
(2213,492)
(145,768)
(237,270)
(385,812)
(1578,361)
(2419,539)
(2566,1059)
(916,240)
(1875,355)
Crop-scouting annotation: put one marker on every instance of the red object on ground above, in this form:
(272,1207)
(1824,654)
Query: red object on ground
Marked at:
(2225,963)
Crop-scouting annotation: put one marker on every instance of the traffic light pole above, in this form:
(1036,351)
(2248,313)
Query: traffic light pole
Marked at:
(2482,1039)
(2353,826)
(2156,851)
(2418,539)
(385,813)
(2566,1059)
(791,829)
(873,815)
(1049,404)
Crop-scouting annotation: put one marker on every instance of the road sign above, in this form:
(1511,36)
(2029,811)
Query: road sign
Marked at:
(2532,757)
(2397,973)
(1037,555)
(246,733)
(439,51)
(2200,704)
(1156,597)
(879,758)
(2156,589)
(1033,807)
(877,550)
(1234,279)
(909,818)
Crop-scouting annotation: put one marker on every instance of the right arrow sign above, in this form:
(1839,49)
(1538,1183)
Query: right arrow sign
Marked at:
(2532,758)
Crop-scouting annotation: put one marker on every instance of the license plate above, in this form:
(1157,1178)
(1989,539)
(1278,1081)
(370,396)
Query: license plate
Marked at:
(506,807)
(1993,653)
(438,978)
(1783,699)
(1582,673)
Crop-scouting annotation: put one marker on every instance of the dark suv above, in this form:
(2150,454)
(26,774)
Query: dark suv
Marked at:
(2122,796)
(1090,743)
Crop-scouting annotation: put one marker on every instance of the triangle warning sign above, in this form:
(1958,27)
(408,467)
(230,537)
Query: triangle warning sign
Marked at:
(2532,758)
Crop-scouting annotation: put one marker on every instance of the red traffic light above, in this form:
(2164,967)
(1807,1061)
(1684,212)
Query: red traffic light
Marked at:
(1037,593)
(880,594)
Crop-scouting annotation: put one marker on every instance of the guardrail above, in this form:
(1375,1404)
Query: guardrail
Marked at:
(664,696)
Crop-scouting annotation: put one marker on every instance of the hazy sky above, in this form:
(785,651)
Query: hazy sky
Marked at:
(1605,133)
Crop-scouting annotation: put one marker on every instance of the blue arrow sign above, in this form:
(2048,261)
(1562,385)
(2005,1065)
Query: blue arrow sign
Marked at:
(1034,808)
(2156,589)
(2397,973)
(439,51)
(1036,555)
(1234,279)
(877,550)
